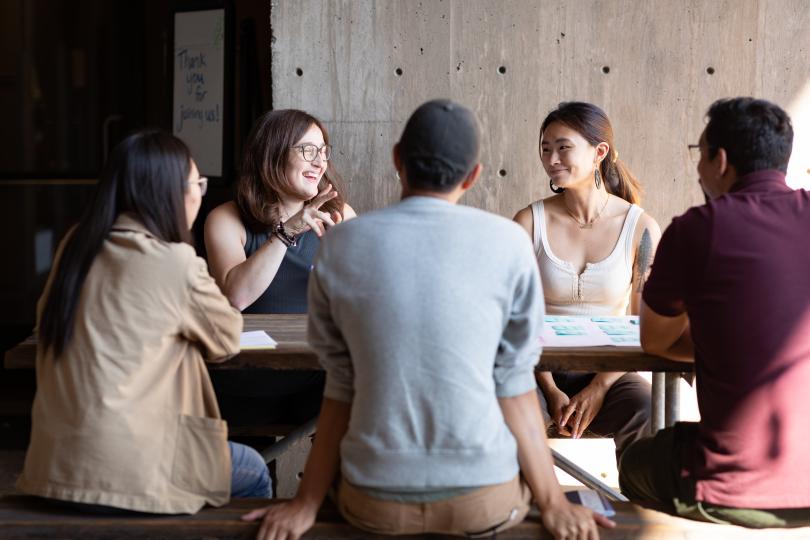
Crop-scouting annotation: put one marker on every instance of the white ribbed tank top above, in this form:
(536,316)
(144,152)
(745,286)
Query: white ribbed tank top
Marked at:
(602,289)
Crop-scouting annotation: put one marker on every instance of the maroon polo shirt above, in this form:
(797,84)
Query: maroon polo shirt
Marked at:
(739,266)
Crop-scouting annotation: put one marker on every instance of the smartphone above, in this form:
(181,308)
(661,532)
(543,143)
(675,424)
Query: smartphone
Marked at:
(591,499)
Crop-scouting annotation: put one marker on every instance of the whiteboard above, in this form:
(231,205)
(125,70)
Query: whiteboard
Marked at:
(199,67)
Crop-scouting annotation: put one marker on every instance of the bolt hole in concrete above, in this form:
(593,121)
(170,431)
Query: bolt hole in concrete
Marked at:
(398,71)
(710,70)
(605,69)
(502,70)
(299,72)
(300,475)
(502,172)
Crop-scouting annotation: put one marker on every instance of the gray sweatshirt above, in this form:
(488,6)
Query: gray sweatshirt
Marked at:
(422,315)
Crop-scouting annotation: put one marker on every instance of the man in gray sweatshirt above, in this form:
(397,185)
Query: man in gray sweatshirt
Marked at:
(426,316)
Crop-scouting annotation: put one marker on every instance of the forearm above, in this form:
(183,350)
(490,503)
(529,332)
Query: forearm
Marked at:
(523,417)
(683,350)
(670,337)
(324,459)
(247,281)
(606,379)
(545,381)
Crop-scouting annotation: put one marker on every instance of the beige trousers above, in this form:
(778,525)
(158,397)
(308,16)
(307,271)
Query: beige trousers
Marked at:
(481,512)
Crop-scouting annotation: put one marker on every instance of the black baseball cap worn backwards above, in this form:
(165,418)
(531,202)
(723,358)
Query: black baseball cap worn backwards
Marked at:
(440,144)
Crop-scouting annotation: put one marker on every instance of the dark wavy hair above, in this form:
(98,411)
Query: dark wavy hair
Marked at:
(756,134)
(145,175)
(593,124)
(265,161)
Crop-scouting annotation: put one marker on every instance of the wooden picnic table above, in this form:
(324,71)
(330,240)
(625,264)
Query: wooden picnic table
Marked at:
(294,353)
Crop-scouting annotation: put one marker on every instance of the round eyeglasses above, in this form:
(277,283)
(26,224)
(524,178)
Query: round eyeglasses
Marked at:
(310,151)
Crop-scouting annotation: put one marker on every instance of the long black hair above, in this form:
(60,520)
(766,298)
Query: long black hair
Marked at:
(145,175)
(594,125)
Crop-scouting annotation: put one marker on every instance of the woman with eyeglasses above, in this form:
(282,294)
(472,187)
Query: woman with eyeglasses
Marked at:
(125,416)
(261,248)
(594,246)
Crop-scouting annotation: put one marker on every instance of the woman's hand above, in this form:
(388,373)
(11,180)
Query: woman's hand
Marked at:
(312,217)
(583,408)
(284,521)
(568,521)
(557,403)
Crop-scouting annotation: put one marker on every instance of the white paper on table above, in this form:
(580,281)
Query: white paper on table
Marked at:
(256,339)
(565,331)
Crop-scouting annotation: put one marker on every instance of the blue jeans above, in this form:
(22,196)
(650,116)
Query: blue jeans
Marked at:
(249,476)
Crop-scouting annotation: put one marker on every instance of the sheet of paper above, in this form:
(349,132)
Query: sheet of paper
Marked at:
(562,331)
(257,339)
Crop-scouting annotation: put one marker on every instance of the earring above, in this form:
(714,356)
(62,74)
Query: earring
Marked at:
(554,188)
(597,177)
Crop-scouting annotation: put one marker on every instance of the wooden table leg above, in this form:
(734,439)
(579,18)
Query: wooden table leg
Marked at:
(672,398)
(658,399)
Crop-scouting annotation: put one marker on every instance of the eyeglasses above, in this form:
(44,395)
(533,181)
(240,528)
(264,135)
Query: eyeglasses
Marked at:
(694,152)
(309,151)
(203,182)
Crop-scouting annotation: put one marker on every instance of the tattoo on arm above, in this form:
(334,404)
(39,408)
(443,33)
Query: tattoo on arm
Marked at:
(644,254)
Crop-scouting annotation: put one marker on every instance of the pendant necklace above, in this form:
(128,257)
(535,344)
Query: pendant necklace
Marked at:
(587,224)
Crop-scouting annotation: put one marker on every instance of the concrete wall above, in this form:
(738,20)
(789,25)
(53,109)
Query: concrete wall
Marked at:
(653,65)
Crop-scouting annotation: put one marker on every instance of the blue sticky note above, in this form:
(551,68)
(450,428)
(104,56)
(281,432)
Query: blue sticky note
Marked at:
(617,331)
(569,332)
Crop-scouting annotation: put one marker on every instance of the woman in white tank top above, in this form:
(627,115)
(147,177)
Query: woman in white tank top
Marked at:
(594,247)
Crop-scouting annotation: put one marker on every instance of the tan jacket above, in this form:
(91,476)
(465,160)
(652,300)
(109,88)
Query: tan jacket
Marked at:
(127,416)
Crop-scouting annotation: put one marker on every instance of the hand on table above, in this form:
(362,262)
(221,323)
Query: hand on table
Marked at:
(312,217)
(582,408)
(568,521)
(283,521)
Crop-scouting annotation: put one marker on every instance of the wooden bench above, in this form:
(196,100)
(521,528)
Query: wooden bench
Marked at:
(29,518)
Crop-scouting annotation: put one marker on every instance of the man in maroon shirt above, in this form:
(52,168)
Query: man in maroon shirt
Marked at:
(730,291)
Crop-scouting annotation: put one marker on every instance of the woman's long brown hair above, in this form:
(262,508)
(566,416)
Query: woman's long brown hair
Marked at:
(263,176)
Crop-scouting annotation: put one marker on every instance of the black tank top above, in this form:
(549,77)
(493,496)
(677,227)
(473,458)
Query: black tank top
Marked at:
(287,292)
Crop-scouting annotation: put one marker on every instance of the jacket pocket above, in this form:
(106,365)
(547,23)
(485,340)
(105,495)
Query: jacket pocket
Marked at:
(202,463)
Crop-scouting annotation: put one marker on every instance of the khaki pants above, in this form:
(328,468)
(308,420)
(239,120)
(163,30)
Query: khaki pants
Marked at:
(481,512)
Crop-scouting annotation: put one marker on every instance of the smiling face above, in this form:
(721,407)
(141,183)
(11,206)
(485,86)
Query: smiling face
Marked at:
(303,176)
(568,158)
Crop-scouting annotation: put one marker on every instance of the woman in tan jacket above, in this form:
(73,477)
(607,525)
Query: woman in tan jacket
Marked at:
(125,416)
